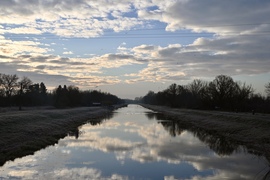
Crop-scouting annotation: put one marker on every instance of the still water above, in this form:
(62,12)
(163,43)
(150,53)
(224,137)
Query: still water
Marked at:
(136,143)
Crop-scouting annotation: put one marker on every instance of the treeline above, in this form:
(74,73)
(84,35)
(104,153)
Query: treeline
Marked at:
(222,93)
(23,92)
(71,96)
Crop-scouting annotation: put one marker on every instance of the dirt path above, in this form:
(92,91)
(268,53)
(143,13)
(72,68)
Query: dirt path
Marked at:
(24,132)
(252,131)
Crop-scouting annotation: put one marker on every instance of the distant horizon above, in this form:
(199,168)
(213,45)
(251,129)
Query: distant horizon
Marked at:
(160,88)
(128,48)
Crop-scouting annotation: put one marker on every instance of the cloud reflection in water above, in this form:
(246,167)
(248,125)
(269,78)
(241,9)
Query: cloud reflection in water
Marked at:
(133,145)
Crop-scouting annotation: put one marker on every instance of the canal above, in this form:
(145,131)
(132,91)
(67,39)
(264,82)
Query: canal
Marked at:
(137,143)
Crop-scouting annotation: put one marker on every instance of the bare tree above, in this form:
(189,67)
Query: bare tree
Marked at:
(9,83)
(244,91)
(197,87)
(222,89)
(171,93)
(25,83)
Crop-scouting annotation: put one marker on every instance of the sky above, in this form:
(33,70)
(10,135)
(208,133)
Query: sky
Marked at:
(128,47)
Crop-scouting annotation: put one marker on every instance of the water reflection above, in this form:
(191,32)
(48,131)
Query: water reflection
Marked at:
(219,144)
(131,146)
(76,132)
(155,116)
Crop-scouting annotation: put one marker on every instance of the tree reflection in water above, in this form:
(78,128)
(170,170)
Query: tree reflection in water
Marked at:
(155,116)
(99,121)
(223,146)
(75,132)
(220,145)
(171,126)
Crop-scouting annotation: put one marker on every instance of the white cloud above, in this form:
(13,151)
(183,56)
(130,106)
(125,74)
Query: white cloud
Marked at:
(90,18)
(239,45)
(145,50)
(212,16)
(14,48)
(67,18)
(68,52)
(206,56)
(22,30)
(83,72)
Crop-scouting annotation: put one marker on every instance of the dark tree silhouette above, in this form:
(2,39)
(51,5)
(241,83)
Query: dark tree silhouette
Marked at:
(58,96)
(74,96)
(223,89)
(243,93)
(198,89)
(71,96)
(171,94)
(267,89)
(2,91)
(33,95)
(25,93)
(222,92)
(150,98)
(24,86)
(9,83)
(43,93)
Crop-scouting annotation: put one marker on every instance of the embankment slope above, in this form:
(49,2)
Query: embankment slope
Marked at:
(24,132)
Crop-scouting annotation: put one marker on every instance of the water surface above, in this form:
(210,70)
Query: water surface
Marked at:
(135,143)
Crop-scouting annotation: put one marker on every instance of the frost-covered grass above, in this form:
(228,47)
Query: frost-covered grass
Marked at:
(24,132)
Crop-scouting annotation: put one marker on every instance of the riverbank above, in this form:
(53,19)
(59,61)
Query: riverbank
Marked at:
(24,132)
(251,131)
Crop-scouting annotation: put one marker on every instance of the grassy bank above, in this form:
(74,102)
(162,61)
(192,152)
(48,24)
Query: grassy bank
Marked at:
(24,132)
(252,131)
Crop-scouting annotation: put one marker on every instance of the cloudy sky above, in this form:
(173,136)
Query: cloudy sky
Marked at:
(130,47)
